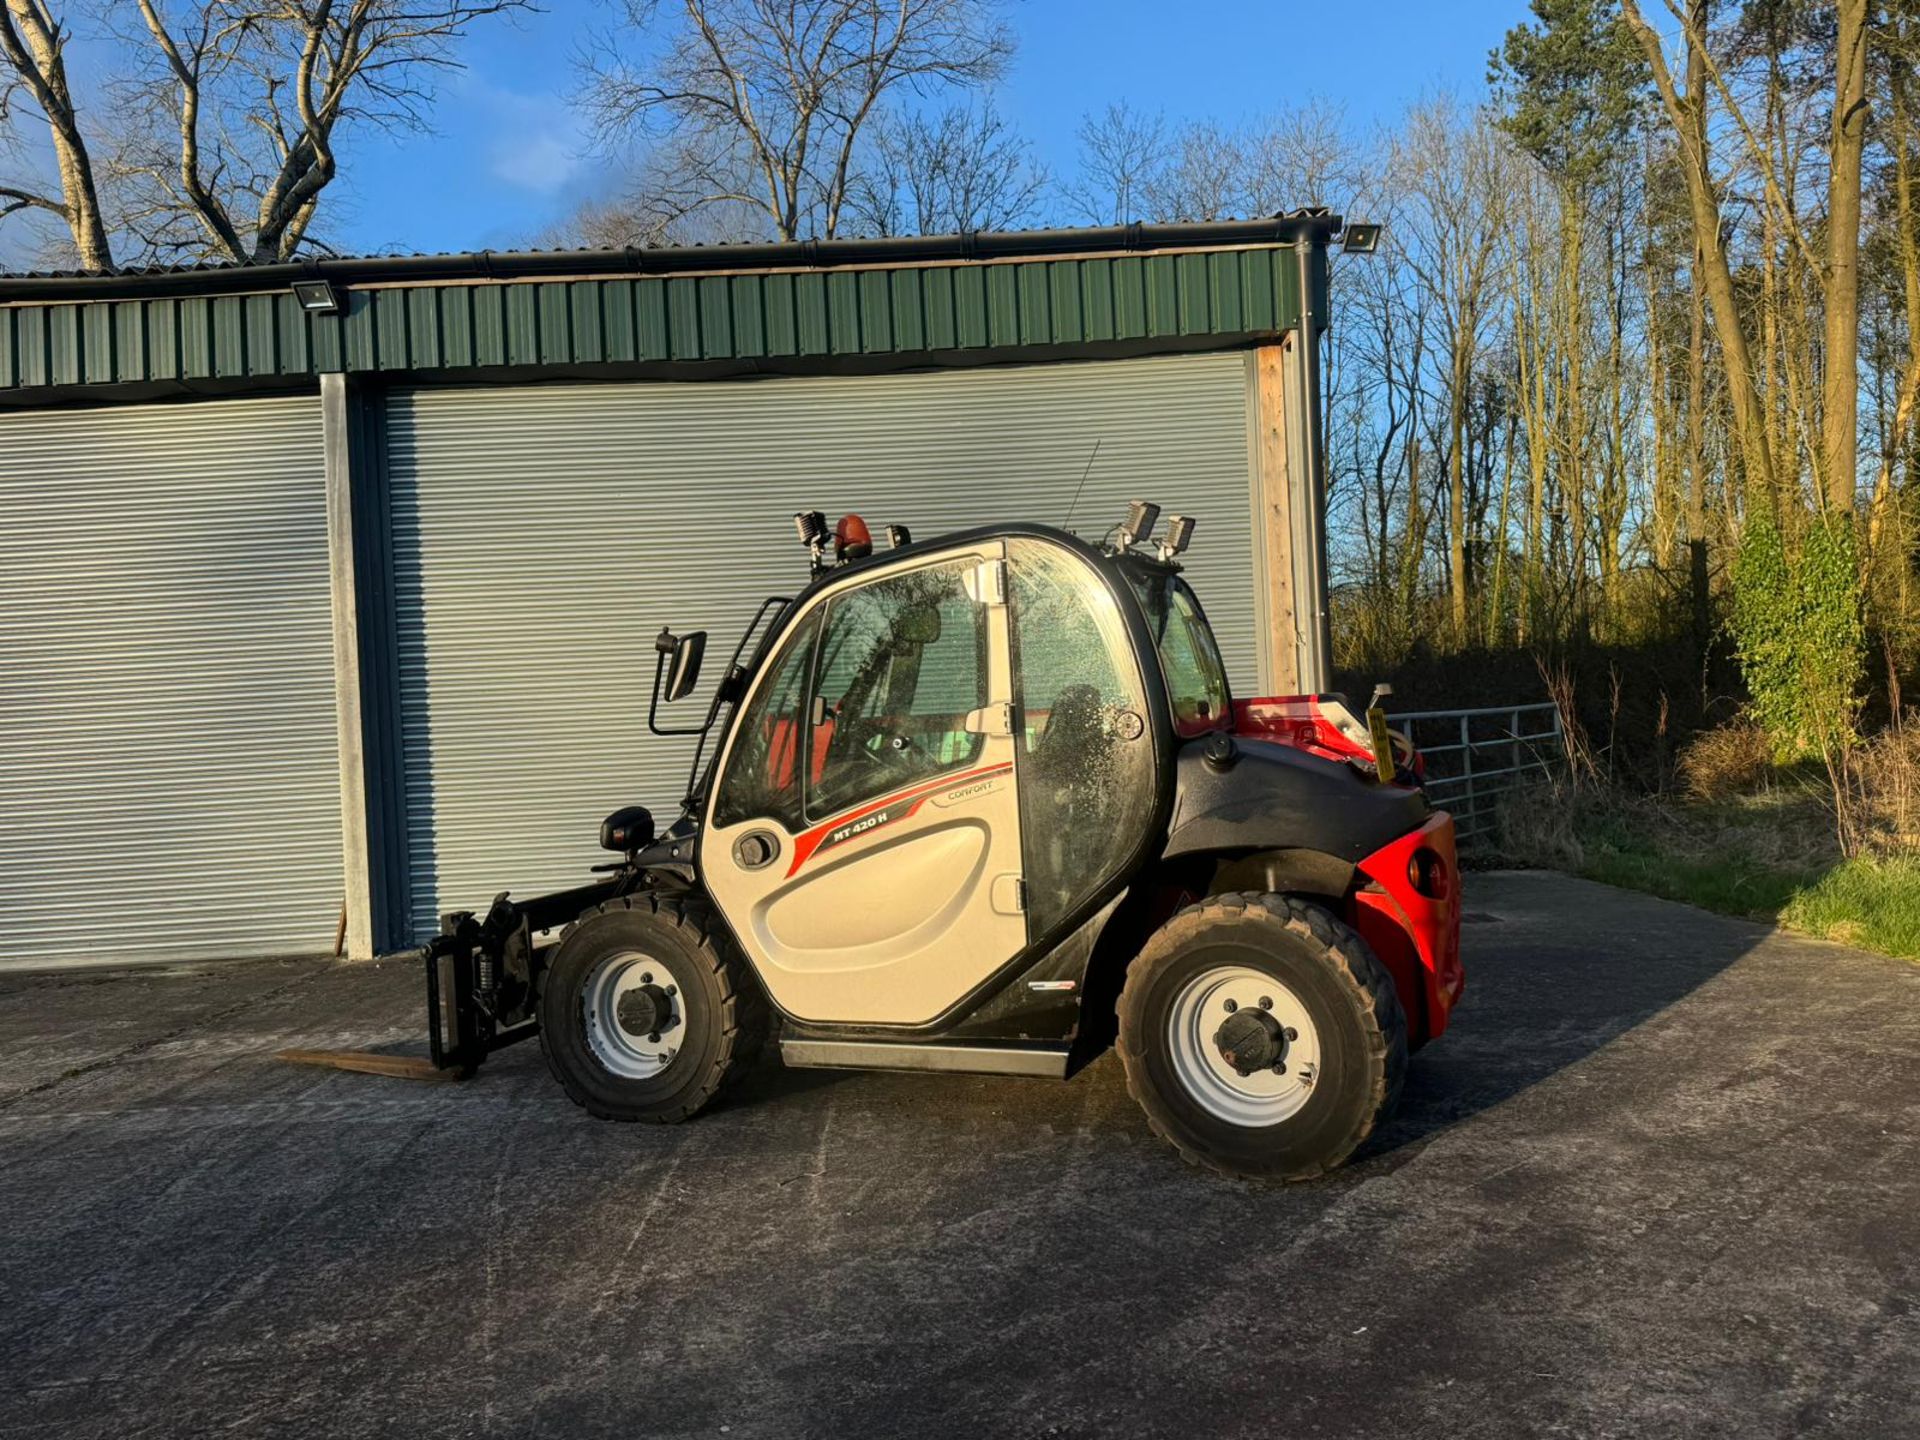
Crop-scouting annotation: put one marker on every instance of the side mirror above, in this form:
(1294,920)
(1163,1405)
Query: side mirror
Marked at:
(683,671)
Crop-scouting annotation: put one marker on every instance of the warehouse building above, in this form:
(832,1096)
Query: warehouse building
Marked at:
(329,589)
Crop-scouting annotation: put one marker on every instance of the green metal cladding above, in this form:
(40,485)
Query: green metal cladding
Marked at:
(1140,302)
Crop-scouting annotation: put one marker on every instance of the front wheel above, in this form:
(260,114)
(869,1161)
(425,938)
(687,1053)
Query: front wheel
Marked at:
(1261,1036)
(647,1010)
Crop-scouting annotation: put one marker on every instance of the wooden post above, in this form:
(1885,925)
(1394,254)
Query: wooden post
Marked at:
(1281,642)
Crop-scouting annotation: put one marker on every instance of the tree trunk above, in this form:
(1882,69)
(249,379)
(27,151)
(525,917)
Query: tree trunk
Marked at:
(38,53)
(1843,261)
(1689,119)
(1697,360)
(1697,408)
(1457,489)
(1574,469)
(1496,630)
(1909,245)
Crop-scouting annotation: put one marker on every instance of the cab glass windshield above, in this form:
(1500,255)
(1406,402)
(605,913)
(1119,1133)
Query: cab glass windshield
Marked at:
(1189,658)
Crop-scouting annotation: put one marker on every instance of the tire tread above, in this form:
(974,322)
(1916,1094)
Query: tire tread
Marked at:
(743,1006)
(1384,1022)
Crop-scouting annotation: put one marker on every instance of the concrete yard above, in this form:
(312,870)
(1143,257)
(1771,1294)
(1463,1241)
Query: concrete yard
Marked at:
(1662,1177)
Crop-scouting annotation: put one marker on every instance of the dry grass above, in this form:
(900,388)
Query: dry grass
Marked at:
(1785,829)
(1884,778)
(1731,759)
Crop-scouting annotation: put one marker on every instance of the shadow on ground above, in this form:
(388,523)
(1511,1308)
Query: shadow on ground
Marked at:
(1660,1177)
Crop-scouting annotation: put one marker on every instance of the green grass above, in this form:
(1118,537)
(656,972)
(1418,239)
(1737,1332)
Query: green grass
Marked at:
(1725,885)
(1874,904)
(1766,857)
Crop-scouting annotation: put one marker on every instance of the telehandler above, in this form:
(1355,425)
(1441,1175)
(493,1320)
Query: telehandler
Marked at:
(985,804)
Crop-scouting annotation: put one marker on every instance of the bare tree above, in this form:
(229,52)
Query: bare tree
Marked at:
(960,170)
(222,130)
(1134,166)
(1204,175)
(1454,168)
(1121,151)
(1303,156)
(752,103)
(645,213)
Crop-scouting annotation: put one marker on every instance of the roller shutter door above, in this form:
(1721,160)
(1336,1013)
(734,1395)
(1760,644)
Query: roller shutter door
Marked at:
(543,535)
(169,787)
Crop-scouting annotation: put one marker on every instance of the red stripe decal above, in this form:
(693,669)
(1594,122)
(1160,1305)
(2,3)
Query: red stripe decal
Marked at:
(808,843)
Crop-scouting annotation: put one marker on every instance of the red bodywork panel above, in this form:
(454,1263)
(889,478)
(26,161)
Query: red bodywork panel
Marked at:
(1307,722)
(1416,936)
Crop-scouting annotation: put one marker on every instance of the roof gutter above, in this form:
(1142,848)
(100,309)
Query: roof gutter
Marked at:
(1311,225)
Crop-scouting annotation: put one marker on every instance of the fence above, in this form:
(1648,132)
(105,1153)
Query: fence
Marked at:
(1475,756)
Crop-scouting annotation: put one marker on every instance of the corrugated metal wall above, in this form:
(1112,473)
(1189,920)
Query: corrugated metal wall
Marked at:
(169,782)
(542,535)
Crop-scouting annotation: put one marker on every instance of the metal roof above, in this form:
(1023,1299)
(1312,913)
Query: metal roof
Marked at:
(810,304)
(224,276)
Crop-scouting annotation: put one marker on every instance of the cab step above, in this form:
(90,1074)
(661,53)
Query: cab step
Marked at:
(949,1057)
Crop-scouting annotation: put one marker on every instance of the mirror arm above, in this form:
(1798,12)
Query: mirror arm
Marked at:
(653,705)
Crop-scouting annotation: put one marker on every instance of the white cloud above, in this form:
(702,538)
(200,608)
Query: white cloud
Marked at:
(540,162)
(536,143)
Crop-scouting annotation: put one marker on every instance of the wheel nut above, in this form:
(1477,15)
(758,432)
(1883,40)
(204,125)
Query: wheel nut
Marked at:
(1266,1002)
(672,991)
(646,977)
(1279,1067)
(654,1038)
(1232,1005)
(1292,1034)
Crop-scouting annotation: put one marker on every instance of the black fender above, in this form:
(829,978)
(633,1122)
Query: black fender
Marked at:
(1305,814)
(1291,871)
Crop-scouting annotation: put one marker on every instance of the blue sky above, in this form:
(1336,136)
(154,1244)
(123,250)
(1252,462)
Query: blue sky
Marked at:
(508,159)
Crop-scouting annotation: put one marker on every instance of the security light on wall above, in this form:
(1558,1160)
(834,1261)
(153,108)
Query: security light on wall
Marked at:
(1360,239)
(316,297)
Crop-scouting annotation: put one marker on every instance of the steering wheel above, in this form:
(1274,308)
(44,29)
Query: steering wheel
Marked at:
(877,747)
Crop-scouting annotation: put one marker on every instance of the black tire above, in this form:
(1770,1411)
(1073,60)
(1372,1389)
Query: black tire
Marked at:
(721,1008)
(1360,1030)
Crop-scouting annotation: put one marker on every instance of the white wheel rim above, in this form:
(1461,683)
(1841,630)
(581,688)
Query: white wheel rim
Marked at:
(623,1052)
(1267,1096)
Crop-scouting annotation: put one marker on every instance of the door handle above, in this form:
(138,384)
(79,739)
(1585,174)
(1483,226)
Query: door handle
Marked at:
(756,849)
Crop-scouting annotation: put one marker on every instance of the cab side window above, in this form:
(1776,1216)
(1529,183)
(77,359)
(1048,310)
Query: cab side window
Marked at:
(762,780)
(1190,660)
(902,662)
(1085,758)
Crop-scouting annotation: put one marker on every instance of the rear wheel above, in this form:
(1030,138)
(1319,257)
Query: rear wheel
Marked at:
(1261,1036)
(648,1011)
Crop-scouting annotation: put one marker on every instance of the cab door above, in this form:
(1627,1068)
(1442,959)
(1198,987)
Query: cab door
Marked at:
(864,841)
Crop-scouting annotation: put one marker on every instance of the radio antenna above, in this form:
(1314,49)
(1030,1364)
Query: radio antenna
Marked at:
(1083,485)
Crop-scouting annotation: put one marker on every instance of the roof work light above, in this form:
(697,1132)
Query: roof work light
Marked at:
(1360,238)
(316,297)
(1138,525)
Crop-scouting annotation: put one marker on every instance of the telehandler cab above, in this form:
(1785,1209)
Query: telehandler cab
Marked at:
(985,804)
